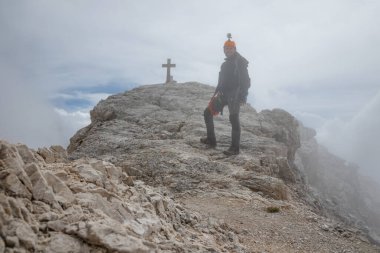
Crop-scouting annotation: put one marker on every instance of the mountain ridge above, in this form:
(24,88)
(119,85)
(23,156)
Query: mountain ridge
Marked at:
(137,179)
(271,137)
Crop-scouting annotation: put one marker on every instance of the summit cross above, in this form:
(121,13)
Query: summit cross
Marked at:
(168,65)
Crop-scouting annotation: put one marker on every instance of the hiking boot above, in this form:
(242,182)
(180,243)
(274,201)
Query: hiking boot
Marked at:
(231,151)
(208,142)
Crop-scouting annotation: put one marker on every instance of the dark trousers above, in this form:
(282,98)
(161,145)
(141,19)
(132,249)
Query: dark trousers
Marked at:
(234,110)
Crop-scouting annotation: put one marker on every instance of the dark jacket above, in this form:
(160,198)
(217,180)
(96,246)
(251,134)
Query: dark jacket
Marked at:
(234,78)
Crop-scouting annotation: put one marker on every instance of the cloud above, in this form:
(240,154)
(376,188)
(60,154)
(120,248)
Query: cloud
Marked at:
(26,115)
(316,59)
(310,119)
(72,121)
(288,44)
(77,100)
(356,140)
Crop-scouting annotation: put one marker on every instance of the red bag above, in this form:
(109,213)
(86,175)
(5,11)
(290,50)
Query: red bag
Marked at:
(215,104)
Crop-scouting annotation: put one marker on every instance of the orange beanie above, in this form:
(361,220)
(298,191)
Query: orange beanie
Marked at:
(229,43)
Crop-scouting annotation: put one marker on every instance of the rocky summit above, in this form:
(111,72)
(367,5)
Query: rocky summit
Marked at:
(137,179)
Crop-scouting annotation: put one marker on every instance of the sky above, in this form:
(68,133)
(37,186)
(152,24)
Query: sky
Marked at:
(319,60)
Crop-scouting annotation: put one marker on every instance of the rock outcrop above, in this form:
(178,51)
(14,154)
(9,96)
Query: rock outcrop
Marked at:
(137,179)
(154,134)
(87,206)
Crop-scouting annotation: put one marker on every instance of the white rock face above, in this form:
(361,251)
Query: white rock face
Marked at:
(154,134)
(85,206)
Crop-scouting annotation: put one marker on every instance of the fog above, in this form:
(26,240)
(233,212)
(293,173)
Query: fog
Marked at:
(317,59)
(357,140)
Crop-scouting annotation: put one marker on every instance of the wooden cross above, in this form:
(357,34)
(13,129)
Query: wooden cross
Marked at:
(168,65)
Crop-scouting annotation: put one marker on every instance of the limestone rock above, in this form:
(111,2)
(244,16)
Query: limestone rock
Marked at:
(62,243)
(153,133)
(92,210)
(11,163)
(2,245)
(284,130)
(139,180)
(101,114)
(62,193)
(154,118)
(270,186)
(20,234)
(26,236)
(286,171)
(111,235)
(53,154)
(13,208)
(27,155)
(15,187)
(41,190)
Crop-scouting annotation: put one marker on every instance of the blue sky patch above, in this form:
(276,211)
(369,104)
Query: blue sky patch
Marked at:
(79,98)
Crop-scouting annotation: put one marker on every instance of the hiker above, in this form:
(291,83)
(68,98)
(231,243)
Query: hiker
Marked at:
(232,90)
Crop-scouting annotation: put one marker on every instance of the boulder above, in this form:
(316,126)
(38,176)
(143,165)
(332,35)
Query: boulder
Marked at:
(62,243)
(270,186)
(53,154)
